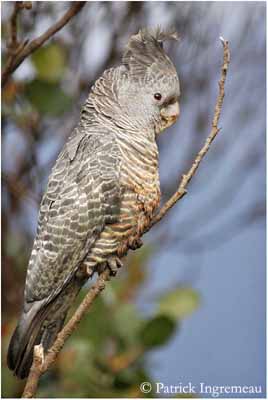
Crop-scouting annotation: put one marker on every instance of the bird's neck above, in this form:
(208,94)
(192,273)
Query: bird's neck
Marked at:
(140,165)
(135,137)
(139,153)
(135,144)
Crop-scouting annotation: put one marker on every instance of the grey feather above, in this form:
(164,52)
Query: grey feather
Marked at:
(103,189)
(73,212)
(145,51)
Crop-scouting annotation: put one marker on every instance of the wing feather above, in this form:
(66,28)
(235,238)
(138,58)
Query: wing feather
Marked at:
(83,195)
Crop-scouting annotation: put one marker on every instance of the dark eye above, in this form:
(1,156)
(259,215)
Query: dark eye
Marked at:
(158,96)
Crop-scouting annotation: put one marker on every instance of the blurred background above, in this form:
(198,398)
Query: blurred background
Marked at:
(190,304)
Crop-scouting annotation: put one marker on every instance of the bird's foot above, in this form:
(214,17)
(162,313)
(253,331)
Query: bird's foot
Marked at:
(135,243)
(85,272)
(114,263)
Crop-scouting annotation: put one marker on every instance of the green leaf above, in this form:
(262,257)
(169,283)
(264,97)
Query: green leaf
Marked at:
(47,98)
(124,379)
(157,331)
(127,322)
(49,62)
(179,303)
(97,326)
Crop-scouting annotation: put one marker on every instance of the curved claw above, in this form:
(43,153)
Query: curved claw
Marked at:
(114,263)
(84,272)
(135,244)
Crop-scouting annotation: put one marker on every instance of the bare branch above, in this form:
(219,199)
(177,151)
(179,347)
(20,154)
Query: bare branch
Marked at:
(186,178)
(26,48)
(32,381)
(39,368)
(13,45)
(13,25)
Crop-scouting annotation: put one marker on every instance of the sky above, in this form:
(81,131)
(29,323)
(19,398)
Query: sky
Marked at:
(214,239)
(223,342)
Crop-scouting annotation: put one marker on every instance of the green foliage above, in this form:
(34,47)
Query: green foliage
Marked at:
(49,62)
(128,323)
(157,331)
(47,98)
(45,92)
(106,355)
(179,303)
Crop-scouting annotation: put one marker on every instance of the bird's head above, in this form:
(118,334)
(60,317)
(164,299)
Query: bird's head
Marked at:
(151,91)
(142,94)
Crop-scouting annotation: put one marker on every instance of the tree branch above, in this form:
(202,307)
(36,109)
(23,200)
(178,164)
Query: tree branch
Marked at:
(13,24)
(38,360)
(186,178)
(41,365)
(24,49)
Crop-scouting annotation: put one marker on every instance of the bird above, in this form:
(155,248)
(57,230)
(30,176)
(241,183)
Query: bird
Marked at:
(102,191)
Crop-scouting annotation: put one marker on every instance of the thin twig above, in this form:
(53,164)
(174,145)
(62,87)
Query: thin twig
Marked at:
(13,44)
(186,178)
(26,48)
(39,368)
(13,25)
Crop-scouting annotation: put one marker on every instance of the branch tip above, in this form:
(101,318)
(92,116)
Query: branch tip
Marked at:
(39,353)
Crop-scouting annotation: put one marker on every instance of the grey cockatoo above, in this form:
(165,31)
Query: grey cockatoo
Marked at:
(102,191)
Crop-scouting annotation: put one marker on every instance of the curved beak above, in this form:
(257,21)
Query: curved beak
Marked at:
(171,112)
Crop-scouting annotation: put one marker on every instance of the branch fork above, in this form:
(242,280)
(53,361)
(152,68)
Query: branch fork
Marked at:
(17,52)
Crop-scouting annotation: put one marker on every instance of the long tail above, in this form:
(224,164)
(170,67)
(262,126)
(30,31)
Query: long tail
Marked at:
(31,330)
(40,324)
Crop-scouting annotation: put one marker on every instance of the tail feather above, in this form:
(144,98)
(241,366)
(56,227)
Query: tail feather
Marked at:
(30,332)
(39,324)
(25,337)
(50,333)
(26,331)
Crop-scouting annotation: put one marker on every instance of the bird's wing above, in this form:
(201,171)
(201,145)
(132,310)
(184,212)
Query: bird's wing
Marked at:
(82,196)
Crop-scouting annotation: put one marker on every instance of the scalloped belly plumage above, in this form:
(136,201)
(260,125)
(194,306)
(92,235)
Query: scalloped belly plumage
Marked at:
(136,212)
